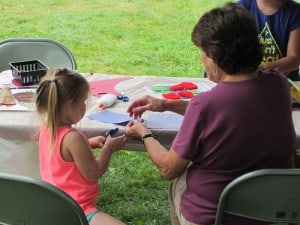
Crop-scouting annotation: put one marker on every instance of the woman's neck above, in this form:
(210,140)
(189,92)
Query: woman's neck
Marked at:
(239,77)
(269,7)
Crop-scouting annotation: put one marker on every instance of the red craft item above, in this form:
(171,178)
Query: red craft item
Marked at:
(186,94)
(183,86)
(171,95)
(101,87)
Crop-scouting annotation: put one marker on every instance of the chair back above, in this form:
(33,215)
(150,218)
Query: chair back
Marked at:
(271,195)
(29,201)
(50,52)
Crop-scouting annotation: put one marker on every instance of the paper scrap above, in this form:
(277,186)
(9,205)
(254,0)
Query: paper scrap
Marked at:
(107,86)
(168,121)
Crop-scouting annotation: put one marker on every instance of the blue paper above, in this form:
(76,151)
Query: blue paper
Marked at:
(107,116)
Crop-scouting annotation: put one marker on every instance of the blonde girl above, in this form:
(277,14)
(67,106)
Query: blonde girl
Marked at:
(65,154)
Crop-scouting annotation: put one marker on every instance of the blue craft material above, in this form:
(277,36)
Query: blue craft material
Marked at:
(107,116)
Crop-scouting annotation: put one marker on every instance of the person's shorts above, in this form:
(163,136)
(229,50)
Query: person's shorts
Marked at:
(90,215)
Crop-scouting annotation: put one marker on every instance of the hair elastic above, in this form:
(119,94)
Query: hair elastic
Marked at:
(53,81)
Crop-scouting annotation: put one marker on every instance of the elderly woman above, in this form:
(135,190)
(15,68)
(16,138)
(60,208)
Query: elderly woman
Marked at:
(242,124)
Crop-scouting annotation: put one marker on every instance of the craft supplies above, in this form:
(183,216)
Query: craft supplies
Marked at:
(6,97)
(106,101)
(183,86)
(106,116)
(111,132)
(182,90)
(100,87)
(123,97)
(294,90)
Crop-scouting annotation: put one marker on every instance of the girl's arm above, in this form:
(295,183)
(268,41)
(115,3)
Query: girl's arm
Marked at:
(111,145)
(76,148)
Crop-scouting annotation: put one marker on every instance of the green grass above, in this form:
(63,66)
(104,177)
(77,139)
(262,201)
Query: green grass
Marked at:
(137,192)
(138,37)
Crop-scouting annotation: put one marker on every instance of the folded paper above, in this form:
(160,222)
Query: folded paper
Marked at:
(6,97)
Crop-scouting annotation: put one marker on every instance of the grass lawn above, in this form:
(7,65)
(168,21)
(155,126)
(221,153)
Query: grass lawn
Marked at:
(137,37)
(134,191)
(130,37)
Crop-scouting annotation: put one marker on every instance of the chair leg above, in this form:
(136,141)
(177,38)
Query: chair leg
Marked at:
(297,159)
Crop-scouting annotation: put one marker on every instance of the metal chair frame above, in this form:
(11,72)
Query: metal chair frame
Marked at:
(271,195)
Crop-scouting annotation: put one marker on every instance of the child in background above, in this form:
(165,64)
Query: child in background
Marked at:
(279,27)
(65,154)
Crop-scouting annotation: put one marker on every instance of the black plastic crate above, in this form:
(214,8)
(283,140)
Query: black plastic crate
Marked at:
(28,72)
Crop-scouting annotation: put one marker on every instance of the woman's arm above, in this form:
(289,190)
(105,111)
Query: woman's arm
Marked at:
(138,107)
(169,163)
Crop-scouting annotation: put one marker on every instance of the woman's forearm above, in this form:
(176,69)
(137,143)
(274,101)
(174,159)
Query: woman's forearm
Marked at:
(177,106)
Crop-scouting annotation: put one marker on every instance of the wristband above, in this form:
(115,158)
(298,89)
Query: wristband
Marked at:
(147,136)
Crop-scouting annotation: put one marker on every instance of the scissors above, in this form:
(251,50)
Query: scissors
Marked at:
(111,132)
(123,97)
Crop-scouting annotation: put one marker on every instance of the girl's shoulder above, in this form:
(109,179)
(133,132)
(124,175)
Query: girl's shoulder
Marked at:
(74,140)
(74,134)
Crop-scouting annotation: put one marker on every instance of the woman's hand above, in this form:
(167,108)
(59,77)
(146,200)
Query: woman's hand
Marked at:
(138,107)
(136,129)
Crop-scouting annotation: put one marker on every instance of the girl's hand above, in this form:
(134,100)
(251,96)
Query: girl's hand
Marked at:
(115,143)
(96,142)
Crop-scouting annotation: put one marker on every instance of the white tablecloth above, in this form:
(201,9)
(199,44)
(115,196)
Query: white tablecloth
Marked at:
(23,125)
(20,127)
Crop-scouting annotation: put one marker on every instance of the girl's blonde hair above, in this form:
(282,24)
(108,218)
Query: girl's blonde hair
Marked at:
(58,87)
